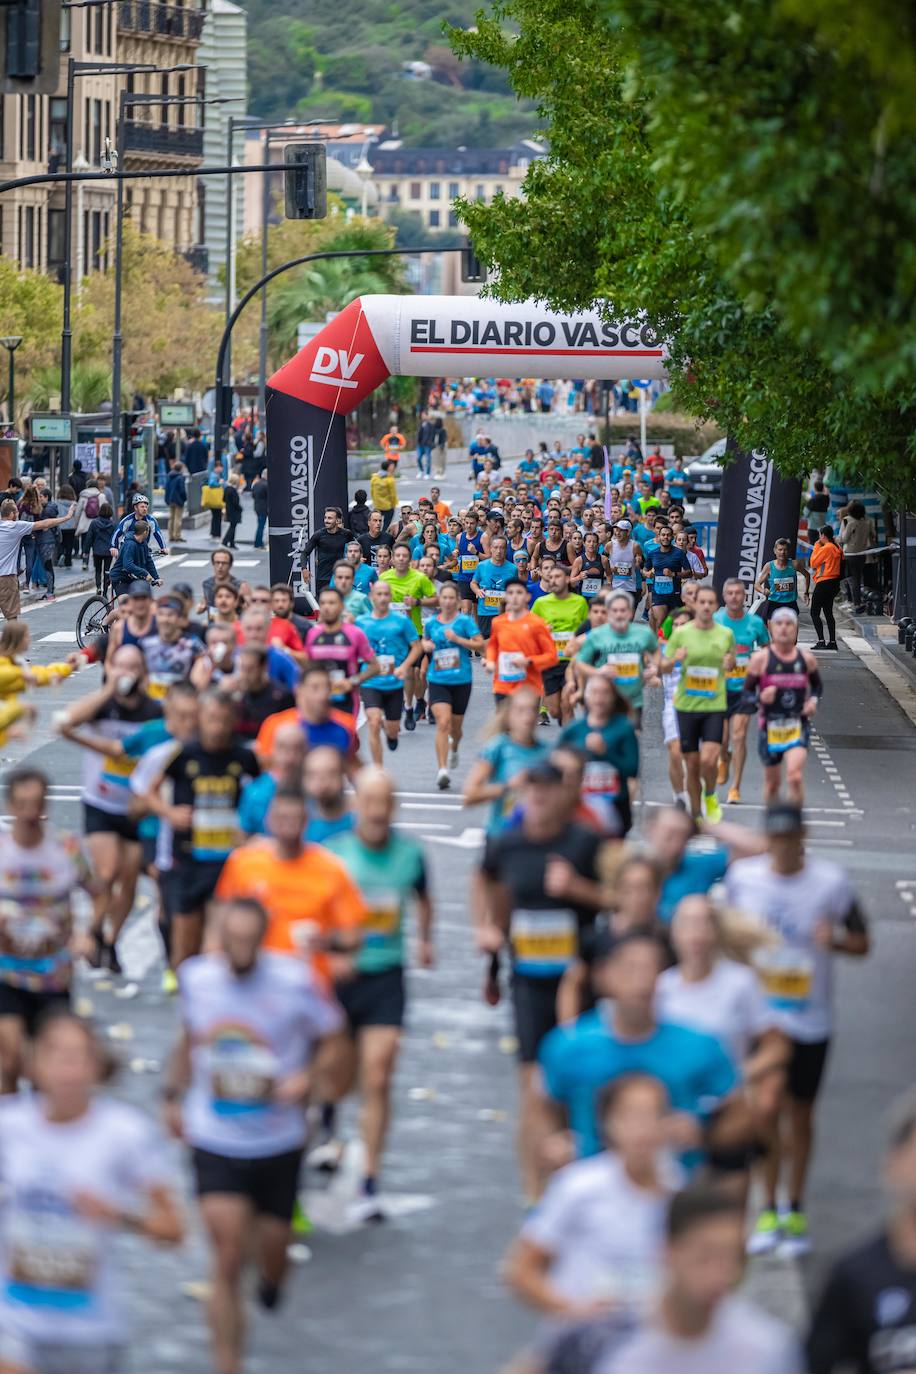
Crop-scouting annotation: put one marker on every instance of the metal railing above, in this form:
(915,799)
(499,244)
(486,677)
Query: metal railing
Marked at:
(142,136)
(164,21)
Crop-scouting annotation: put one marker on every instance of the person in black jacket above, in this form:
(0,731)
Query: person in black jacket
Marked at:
(99,537)
(425,436)
(259,497)
(134,562)
(358,514)
(331,545)
(232,503)
(176,498)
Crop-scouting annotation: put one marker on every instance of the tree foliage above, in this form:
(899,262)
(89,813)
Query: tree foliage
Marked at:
(666,194)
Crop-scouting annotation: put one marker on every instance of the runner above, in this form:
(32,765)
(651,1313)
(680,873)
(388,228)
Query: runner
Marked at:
(316,718)
(563,613)
(207,779)
(136,625)
(787,684)
(410,590)
(519,647)
(677,768)
(355,602)
(258,697)
(778,580)
(540,891)
(172,656)
(590,570)
(328,545)
(607,739)
(377,537)
(390,871)
(40,870)
(397,647)
(76,1167)
(112,835)
(705,651)
(323,780)
(491,577)
(809,904)
(627,651)
(666,567)
(624,558)
(344,648)
(288,748)
(255,1031)
(449,638)
(750,633)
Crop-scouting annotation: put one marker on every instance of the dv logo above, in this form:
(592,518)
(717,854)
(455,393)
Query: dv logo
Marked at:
(335,367)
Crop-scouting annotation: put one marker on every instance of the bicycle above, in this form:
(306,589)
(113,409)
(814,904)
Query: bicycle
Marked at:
(92,617)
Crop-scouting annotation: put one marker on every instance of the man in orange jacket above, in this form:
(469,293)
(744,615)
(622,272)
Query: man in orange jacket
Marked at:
(520,646)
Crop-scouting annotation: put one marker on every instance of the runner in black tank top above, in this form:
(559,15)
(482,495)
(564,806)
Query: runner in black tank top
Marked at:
(786,683)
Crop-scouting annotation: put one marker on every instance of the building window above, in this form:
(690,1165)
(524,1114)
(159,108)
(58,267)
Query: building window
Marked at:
(164,109)
(435,189)
(106,233)
(434,219)
(394,194)
(453,190)
(479,193)
(452,220)
(95,241)
(65,31)
(99,29)
(130,88)
(496,189)
(415,190)
(109,25)
(56,223)
(57,132)
(181,96)
(95,156)
(28,259)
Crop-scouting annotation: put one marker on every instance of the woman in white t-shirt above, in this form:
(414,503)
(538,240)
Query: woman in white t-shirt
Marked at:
(74,1168)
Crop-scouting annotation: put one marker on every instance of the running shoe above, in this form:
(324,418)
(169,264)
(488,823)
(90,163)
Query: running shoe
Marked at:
(722,775)
(419,711)
(366,1208)
(821,644)
(834,646)
(796,1240)
(766,1235)
(409,721)
(453,758)
(392,743)
(169,982)
(300,1224)
(543,718)
(111,959)
(734,796)
(327,1156)
(711,809)
(443,781)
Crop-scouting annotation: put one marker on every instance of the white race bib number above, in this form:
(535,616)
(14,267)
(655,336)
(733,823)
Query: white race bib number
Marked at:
(446,660)
(591,586)
(737,674)
(511,667)
(626,666)
(492,600)
(469,562)
(787,976)
(242,1076)
(385,664)
(601,779)
(561,639)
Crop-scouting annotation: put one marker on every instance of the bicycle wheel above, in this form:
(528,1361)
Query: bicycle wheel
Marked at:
(90,619)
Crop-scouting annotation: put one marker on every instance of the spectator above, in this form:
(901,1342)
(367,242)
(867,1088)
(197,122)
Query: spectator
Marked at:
(259,497)
(87,508)
(440,447)
(67,497)
(383,491)
(817,505)
(78,478)
(233,505)
(857,534)
(176,498)
(195,455)
(213,499)
(100,534)
(425,431)
(358,514)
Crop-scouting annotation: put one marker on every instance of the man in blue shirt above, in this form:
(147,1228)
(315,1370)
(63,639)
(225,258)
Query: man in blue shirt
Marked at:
(489,583)
(676,481)
(622,1036)
(397,647)
(686,871)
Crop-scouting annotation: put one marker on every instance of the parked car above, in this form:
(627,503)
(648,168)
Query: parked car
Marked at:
(704,474)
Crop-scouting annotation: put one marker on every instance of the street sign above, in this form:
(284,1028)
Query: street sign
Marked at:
(51,429)
(179,413)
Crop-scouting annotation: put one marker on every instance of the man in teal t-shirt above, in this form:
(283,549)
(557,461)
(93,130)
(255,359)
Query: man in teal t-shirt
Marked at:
(750,633)
(390,871)
(625,648)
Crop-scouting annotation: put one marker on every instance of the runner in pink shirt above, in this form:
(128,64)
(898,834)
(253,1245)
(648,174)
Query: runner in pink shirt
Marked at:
(344,648)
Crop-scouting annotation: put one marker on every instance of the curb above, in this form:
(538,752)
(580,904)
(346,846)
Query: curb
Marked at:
(874,651)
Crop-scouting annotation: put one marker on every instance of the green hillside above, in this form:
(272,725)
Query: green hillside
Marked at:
(309,59)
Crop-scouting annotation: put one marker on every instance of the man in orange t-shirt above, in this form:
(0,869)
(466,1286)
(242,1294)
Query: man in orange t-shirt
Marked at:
(315,909)
(321,724)
(520,646)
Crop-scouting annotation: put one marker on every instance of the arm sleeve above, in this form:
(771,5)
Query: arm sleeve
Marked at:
(628,752)
(816,683)
(117,538)
(157,535)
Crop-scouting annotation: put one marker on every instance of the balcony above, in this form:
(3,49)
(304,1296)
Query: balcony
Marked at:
(160,21)
(158,140)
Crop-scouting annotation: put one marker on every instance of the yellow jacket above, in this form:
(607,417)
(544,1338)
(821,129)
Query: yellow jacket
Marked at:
(13,684)
(383,492)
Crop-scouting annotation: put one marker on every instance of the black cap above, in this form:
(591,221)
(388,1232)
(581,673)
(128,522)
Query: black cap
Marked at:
(184,589)
(495,515)
(139,589)
(546,773)
(784,819)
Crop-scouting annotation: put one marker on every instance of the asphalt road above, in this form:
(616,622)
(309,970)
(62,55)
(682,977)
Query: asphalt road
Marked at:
(422,1292)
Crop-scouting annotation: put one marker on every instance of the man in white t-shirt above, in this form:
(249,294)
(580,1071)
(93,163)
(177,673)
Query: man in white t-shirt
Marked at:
(698,1325)
(256,1027)
(12,532)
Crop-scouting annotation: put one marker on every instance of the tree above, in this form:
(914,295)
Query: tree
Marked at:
(630,229)
(31,305)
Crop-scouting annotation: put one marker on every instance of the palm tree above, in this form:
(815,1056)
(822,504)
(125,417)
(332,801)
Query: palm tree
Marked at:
(311,291)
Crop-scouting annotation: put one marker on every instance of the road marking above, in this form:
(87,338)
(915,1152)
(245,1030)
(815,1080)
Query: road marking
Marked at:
(59,637)
(468,839)
(247,563)
(420,825)
(416,806)
(194,562)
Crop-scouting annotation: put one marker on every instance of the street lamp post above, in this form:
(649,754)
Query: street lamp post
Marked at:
(11,343)
(363,170)
(80,164)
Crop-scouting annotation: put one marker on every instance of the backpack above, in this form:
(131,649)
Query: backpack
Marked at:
(92,506)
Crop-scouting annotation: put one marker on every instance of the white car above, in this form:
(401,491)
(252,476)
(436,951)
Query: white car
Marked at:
(704,474)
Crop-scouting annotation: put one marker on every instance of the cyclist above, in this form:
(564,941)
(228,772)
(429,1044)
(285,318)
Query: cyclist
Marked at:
(139,511)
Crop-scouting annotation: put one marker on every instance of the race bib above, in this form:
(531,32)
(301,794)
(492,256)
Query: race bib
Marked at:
(446,660)
(783,734)
(469,562)
(52,1259)
(561,639)
(385,664)
(663,586)
(601,778)
(701,682)
(384,916)
(158,685)
(626,570)
(626,666)
(787,975)
(119,770)
(399,608)
(213,831)
(735,676)
(783,585)
(544,941)
(591,586)
(511,667)
(493,600)
(242,1076)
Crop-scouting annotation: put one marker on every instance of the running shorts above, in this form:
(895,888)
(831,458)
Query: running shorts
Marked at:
(29,1006)
(737,706)
(806,1069)
(699,727)
(773,758)
(195,882)
(769,607)
(454,694)
(554,678)
(373,999)
(270,1184)
(485,625)
(535,1004)
(99,822)
(390,703)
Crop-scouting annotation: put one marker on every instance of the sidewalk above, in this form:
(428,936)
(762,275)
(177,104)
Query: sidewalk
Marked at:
(873,640)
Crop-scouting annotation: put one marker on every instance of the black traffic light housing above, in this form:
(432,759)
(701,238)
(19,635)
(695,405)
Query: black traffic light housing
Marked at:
(30,46)
(131,432)
(305,180)
(472,269)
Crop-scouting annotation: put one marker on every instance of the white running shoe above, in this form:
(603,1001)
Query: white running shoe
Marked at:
(327,1156)
(366,1209)
(443,781)
(453,758)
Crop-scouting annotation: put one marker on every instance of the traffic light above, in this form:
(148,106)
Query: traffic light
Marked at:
(131,432)
(305,180)
(30,46)
(472,269)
